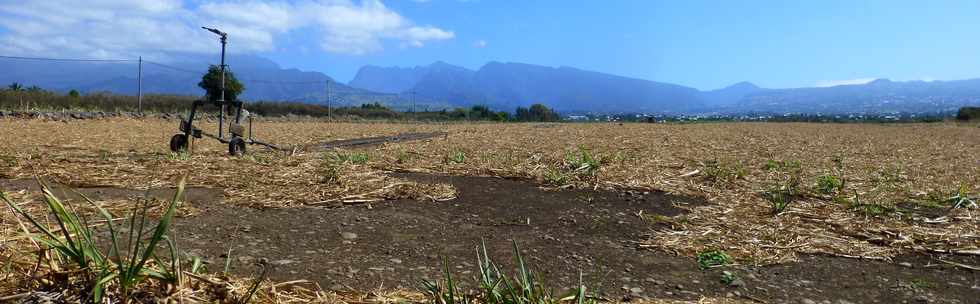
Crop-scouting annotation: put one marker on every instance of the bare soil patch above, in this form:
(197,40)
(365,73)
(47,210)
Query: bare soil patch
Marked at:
(395,244)
(372,141)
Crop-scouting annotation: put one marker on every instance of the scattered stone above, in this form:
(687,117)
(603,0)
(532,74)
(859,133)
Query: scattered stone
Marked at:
(808,301)
(679,287)
(348,235)
(905,264)
(396,261)
(636,290)
(737,282)
(842,301)
(921,299)
(283,262)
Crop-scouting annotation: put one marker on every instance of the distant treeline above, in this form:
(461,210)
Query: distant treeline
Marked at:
(859,118)
(903,117)
(36,99)
(968,113)
(16,97)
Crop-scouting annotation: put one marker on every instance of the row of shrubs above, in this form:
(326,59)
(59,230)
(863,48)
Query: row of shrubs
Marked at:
(968,113)
(36,99)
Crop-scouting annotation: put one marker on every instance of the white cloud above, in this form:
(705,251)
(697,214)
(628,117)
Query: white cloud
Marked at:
(833,83)
(127,28)
(480,44)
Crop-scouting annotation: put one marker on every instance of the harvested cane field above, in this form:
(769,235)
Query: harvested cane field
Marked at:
(661,213)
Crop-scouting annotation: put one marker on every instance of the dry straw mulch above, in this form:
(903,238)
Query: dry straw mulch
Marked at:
(890,166)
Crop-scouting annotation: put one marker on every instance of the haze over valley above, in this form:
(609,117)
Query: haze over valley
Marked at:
(499,85)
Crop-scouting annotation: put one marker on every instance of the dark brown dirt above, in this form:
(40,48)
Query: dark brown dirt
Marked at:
(399,243)
(372,141)
(396,244)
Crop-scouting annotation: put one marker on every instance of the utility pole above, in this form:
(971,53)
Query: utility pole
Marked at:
(139,79)
(328,99)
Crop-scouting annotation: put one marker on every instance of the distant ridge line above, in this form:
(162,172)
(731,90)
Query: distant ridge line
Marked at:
(67,59)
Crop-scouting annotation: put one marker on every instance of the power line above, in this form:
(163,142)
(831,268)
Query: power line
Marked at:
(280,82)
(156,64)
(241,79)
(172,67)
(66,59)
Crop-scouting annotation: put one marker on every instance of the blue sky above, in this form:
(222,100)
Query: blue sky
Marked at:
(703,44)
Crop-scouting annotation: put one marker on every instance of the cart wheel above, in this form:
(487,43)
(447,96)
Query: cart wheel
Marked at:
(178,143)
(236,146)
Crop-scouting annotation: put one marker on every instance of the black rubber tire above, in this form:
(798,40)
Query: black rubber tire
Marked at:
(236,146)
(178,143)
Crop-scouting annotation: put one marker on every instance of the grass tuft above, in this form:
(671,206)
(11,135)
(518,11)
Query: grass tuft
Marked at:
(353,158)
(829,184)
(779,197)
(870,209)
(497,287)
(713,258)
(456,157)
(181,155)
(582,162)
(718,172)
(556,177)
(121,268)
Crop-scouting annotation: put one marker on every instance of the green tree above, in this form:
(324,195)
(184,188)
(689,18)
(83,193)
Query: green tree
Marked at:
(501,116)
(522,114)
(481,112)
(537,112)
(540,112)
(459,113)
(968,113)
(15,87)
(73,94)
(211,83)
(373,106)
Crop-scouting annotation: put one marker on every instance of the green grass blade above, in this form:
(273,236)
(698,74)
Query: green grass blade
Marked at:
(114,239)
(163,225)
(34,222)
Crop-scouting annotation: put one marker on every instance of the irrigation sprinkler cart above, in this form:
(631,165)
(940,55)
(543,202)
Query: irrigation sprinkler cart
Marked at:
(236,141)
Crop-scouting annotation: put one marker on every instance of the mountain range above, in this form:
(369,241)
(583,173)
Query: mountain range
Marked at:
(499,85)
(263,79)
(507,85)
